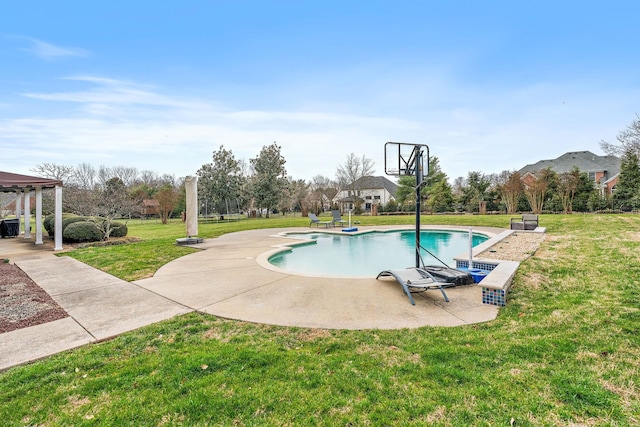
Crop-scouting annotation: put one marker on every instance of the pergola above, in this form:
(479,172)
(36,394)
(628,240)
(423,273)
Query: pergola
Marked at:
(23,186)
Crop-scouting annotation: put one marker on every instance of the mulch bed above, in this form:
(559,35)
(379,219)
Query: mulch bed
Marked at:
(22,302)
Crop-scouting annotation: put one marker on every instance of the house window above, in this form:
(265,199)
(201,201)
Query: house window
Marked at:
(376,197)
(368,197)
(592,176)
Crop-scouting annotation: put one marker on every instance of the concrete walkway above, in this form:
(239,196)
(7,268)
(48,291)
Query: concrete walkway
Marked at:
(228,278)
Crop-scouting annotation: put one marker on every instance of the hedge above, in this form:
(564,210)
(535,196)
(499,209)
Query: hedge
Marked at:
(83,231)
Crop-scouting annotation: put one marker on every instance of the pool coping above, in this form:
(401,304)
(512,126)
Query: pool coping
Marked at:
(225,279)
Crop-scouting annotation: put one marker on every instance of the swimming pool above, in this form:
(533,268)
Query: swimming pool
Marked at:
(367,254)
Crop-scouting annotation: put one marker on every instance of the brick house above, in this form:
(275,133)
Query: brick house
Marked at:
(603,170)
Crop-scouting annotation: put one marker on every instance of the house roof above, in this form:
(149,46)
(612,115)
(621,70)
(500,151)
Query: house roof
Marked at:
(375,183)
(10,182)
(585,161)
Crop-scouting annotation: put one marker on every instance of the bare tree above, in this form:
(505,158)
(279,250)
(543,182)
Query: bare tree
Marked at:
(148,178)
(54,171)
(128,175)
(350,173)
(628,141)
(511,188)
(567,186)
(326,188)
(85,176)
(535,189)
(167,198)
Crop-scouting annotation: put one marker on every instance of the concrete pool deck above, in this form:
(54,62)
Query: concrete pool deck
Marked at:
(231,278)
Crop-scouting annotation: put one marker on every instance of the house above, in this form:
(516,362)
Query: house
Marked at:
(149,207)
(603,170)
(371,191)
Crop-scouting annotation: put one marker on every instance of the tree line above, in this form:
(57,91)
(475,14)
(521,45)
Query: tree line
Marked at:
(261,186)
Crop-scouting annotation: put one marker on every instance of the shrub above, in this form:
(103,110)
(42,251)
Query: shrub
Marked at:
(49,222)
(66,221)
(118,229)
(83,231)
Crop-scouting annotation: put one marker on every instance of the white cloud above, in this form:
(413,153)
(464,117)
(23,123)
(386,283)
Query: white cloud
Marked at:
(115,122)
(49,51)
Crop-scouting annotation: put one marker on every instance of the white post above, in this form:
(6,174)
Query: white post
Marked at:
(58,220)
(38,215)
(470,248)
(27,214)
(191,190)
(349,218)
(18,212)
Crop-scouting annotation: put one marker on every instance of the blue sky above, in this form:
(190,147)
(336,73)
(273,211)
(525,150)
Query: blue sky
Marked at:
(488,85)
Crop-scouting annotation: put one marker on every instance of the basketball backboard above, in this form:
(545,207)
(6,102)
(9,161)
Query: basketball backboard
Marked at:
(400,159)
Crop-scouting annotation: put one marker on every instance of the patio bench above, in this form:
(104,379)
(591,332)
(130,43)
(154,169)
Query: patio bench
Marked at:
(526,222)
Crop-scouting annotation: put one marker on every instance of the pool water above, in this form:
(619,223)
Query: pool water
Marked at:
(343,255)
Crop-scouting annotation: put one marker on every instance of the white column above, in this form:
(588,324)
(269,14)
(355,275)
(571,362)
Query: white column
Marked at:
(191,189)
(18,212)
(38,216)
(58,220)
(27,214)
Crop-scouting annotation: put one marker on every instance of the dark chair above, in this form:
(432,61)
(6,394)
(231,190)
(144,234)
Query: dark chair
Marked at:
(337,218)
(526,222)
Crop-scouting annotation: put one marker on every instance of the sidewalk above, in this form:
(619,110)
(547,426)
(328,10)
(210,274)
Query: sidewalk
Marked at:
(99,305)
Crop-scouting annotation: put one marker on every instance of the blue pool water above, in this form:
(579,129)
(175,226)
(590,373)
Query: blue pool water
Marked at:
(368,254)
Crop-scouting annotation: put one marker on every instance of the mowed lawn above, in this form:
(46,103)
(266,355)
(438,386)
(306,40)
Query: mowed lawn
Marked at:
(564,352)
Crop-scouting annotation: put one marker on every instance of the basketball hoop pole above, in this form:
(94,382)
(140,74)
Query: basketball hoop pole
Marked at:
(418,155)
(406,159)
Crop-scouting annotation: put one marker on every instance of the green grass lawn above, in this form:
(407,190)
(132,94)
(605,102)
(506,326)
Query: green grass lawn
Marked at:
(565,350)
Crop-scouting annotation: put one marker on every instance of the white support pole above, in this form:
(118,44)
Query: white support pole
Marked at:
(470,248)
(27,214)
(18,212)
(58,220)
(38,215)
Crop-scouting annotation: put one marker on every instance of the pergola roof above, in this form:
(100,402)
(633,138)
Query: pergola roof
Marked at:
(10,182)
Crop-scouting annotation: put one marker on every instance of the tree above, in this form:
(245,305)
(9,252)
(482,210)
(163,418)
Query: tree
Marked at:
(295,196)
(511,189)
(567,186)
(84,176)
(110,202)
(167,198)
(536,188)
(406,191)
(438,193)
(628,141)
(349,176)
(220,181)
(474,191)
(326,188)
(269,179)
(53,171)
(586,193)
(627,191)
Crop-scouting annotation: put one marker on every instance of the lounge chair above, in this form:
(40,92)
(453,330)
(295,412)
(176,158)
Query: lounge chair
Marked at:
(337,218)
(313,219)
(415,280)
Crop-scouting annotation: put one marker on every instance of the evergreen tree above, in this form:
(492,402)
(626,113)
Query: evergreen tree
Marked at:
(627,191)
(269,179)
